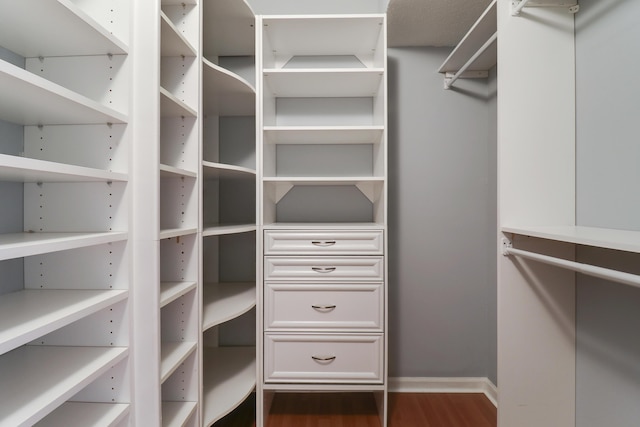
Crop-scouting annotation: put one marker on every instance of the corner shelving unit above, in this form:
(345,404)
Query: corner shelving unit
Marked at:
(228,213)
(64,233)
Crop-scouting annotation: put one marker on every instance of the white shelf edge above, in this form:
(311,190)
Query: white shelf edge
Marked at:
(224,229)
(86,414)
(350,70)
(213,169)
(222,302)
(171,34)
(43,377)
(18,245)
(176,414)
(24,169)
(622,240)
(171,291)
(230,383)
(171,106)
(208,65)
(322,180)
(324,226)
(28,314)
(172,355)
(167,171)
(170,233)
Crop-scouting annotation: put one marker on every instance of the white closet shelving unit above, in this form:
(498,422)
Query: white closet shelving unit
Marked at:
(228,219)
(64,182)
(323,178)
(180,123)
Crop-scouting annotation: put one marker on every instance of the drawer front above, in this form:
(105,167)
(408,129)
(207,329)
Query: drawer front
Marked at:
(328,307)
(323,242)
(346,359)
(324,268)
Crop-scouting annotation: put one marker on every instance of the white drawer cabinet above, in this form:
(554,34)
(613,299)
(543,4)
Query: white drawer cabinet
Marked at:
(340,307)
(293,358)
(323,242)
(323,268)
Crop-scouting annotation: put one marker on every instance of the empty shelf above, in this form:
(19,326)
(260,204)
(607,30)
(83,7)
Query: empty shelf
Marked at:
(171,291)
(172,355)
(167,171)
(86,414)
(220,170)
(176,414)
(226,93)
(172,42)
(229,30)
(171,106)
(176,232)
(223,229)
(323,134)
(225,301)
(23,169)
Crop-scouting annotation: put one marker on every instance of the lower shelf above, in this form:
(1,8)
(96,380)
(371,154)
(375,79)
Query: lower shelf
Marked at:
(86,414)
(37,379)
(176,414)
(229,377)
(173,354)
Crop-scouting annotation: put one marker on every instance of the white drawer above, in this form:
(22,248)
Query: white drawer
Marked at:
(345,359)
(323,242)
(323,268)
(328,307)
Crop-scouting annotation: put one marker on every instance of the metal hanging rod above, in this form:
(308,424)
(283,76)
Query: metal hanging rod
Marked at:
(450,80)
(590,270)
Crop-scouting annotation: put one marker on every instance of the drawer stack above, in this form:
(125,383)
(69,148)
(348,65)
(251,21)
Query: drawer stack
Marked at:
(324,307)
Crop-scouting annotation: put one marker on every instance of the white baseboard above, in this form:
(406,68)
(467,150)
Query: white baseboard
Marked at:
(445,385)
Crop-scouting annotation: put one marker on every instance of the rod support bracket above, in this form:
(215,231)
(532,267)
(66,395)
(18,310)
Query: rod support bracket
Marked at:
(506,245)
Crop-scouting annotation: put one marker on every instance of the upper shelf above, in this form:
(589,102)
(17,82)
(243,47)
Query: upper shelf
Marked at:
(54,28)
(23,169)
(229,28)
(173,43)
(622,240)
(340,82)
(226,93)
(323,134)
(221,170)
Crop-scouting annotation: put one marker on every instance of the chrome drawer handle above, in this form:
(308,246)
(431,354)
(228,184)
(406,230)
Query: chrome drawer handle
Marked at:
(323,269)
(323,358)
(323,243)
(323,307)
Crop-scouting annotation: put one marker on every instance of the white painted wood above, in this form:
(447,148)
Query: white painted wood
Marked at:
(173,42)
(333,269)
(323,82)
(23,169)
(229,377)
(323,242)
(179,76)
(226,93)
(44,377)
(28,314)
(170,233)
(223,229)
(225,301)
(171,291)
(172,355)
(221,170)
(86,413)
(171,106)
(229,29)
(322,134)
(177,414)
(167,171)
(292,358)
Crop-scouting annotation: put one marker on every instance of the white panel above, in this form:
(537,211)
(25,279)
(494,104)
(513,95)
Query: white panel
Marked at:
(182,385)
(324,268)
(178,259)
(324,112)
(179,75)
(178,203)
(112,386)
(186,18)
(179,142)
(179,319)
(323,242)
(114,15)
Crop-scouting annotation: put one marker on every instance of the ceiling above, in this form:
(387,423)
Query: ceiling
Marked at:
(431,22)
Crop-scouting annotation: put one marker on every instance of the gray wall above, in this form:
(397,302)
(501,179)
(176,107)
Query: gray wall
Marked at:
(442,149)
(608,180)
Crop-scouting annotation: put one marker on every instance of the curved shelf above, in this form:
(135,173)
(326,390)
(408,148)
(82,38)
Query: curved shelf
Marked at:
(230,383)
(338,82)
(176,414)
(29,99)
(18,245)
(171,291)
(171,106)
(221,170)
(224,229)
(28,314)
(55,28)
(226,93)
(172,42)
(86,414)
(43,377)
(323,134)
(24,169)
(172,355)
(230,28)
(225,301)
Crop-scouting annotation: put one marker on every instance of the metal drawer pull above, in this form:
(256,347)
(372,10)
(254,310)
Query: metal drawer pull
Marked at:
(323,358)
(323,307)
(323,242)
(323,269)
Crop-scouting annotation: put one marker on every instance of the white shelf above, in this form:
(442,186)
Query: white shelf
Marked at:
(43,377)
(322,180)
(221,170)
(172,42)
(622,240)
(176,414)
(28,314)
(229,29)
(224,229)
(338,82)
(323,226)
(226,93)
(54,28)
(167,171)
(18,245)
(176,232)
(229,383)
(479,33)
(322,134)
(86,414)
(171,291)
(225,301)
(171,106)
(29,99)
(23,169)
(172,355)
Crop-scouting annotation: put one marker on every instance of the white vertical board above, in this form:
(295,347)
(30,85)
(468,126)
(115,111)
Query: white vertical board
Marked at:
(179,142)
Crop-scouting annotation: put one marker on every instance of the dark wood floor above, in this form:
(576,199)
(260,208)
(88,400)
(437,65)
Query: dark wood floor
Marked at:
(359,410)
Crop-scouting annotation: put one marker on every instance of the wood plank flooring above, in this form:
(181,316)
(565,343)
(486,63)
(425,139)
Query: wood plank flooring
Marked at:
(359,410)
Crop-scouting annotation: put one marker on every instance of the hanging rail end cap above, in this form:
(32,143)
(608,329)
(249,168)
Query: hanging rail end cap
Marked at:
(506,245)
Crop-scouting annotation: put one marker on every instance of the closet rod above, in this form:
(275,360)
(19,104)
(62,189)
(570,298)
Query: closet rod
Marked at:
(458,74)
(517,8)
(590,270)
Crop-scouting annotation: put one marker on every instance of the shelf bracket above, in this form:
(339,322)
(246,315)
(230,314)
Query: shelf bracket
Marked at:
(506,245)
(450,77)
(518,5)
(368,189)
